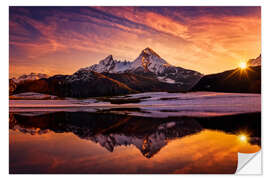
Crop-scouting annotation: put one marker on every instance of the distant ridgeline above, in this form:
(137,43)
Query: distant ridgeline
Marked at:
(147,73)
(239,80)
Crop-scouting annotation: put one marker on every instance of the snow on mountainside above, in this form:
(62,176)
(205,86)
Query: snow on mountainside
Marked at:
(109,65)
(255,62)
(147,62)
(31,76)
(147,73)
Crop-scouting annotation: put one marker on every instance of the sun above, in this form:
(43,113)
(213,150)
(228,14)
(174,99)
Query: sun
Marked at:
(243,138)
(242,65)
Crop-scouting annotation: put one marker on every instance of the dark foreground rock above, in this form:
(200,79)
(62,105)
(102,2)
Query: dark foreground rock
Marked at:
(237,80)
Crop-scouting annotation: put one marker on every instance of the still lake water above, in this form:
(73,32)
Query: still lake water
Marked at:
(84,142)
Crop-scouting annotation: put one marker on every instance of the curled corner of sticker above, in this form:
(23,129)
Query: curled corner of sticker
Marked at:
(249,163)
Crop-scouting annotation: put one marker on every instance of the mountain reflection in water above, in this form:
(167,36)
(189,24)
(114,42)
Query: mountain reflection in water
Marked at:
(111,143)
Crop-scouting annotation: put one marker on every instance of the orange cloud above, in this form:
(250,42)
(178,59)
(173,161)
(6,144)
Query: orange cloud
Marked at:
(194,39)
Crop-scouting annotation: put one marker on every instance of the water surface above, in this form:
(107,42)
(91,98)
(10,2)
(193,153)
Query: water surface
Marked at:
(83,142)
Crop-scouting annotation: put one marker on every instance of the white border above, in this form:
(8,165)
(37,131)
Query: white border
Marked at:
(265,76)
(137,2)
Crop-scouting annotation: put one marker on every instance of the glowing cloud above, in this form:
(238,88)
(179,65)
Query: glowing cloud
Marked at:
(63,39)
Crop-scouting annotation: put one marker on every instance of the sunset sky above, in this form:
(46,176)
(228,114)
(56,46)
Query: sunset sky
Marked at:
(60,40)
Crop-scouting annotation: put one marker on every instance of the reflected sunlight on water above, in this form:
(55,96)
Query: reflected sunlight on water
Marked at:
(208,151)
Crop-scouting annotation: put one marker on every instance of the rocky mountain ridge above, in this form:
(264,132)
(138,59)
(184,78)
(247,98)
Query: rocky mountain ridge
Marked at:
(255,62)
(30,77)
(148,62)
(147,73)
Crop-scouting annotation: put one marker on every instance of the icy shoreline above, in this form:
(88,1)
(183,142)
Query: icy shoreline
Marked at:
(157,104)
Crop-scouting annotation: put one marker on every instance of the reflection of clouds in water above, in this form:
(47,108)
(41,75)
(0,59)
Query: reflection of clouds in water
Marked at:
(206,152)
(217,154)
(78,142)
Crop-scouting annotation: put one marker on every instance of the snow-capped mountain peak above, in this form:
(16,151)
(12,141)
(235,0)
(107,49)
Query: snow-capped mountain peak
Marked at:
(104,65)
(147,61)
(150,61)
(107,61)
(31,76)
(149,51)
